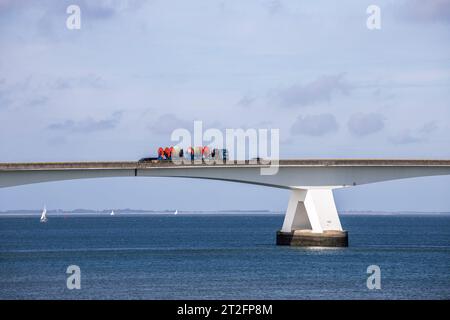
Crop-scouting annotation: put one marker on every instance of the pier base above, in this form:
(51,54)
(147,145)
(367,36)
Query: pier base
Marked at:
(307,238)
(312,220)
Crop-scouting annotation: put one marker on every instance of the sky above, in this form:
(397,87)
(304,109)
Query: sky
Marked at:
(136,70)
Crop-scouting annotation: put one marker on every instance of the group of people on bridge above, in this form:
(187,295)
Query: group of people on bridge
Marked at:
(193,153)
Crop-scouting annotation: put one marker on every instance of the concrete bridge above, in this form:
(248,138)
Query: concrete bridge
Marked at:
(311,217)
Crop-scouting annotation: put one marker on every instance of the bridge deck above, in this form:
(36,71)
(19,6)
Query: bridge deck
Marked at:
(283,163)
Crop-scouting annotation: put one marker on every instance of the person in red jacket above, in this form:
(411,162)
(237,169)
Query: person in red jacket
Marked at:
(167,153)
(160,153)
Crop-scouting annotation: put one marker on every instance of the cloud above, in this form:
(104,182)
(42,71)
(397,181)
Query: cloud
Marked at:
(415,136)
(321,89)
(8,91)
(89,81)
(274,6)
(246,101)
(32,92)
(88,125)
(429,11)
(404,137)
(361,124)
(428,127)
(46,18)
(37,101)
(105,9)
(166,123)
(315,125)
(99,9)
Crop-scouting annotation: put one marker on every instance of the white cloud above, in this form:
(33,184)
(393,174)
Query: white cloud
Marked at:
(166,123)
(319,90)
(88,125)
(430,11)
(417,135)
(362,124)
(315,125)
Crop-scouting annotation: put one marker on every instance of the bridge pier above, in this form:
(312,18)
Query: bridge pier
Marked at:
(312,220)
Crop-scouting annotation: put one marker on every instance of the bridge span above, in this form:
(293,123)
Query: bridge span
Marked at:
(311,217)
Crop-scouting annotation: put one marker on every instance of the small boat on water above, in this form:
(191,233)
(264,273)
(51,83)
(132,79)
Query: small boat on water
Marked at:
(44,215)
(112,213)
(176,212)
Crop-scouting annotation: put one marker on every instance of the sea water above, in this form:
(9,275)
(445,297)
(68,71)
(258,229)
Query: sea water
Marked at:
(220,256)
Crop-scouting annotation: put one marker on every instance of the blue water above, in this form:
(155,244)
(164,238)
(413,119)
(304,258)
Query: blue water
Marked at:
(220,257)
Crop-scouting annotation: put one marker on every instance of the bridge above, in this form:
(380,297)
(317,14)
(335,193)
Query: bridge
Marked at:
(311,217)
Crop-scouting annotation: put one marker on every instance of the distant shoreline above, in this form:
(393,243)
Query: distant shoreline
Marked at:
(129,212)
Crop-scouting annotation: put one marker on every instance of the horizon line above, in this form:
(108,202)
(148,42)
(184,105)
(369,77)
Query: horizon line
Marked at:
(150,211)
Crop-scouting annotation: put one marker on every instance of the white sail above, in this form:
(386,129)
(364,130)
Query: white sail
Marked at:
(44,215)
(112,213)
(176,212)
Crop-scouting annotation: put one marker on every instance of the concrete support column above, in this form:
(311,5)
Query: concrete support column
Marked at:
(312,220)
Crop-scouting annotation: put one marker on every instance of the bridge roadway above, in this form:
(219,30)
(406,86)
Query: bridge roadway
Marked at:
(304,173)
(282,163)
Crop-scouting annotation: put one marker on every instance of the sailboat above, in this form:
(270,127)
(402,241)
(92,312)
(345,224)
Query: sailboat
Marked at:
(112,213)
(176,212)
(44,215)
